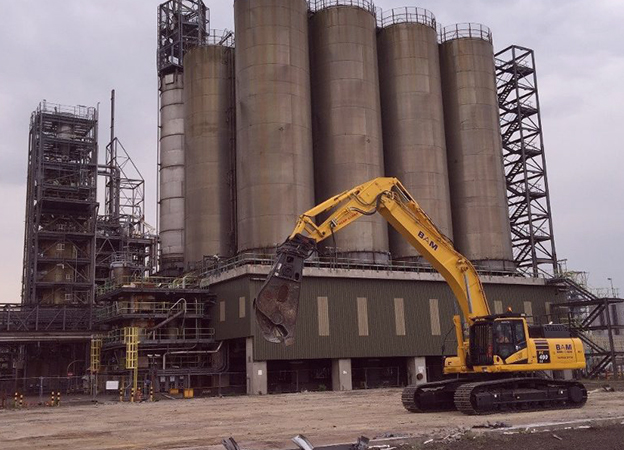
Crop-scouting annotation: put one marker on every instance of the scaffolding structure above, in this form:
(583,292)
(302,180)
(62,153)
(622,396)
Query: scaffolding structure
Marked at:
(525,164)
(124,241)
(61,206)
(182,25)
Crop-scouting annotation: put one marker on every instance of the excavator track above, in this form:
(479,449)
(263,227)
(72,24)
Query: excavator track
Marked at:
(430,397)
(518,395)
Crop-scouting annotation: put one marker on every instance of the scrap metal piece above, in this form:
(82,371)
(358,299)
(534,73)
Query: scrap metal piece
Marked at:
(302,442)
(230,444)
(361,444)
(278,299)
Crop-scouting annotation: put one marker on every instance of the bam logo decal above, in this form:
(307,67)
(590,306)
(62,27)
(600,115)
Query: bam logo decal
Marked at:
(432,244)
(564,347)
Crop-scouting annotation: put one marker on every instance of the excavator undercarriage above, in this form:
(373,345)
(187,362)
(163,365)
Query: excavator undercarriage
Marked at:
(512,394)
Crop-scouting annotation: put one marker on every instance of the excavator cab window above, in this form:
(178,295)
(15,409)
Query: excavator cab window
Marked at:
(481,344)
(509,337)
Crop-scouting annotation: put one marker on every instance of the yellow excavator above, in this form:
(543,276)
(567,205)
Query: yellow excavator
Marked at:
(500,357)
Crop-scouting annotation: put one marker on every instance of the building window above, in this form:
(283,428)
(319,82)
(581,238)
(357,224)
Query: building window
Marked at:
(399,316)
(60,246)
(323,316)
(362,315)
(498,307)
(434,312)
(221,311)
(241,307)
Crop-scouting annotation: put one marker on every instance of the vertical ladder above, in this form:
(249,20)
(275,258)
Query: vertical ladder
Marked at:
(131,339)
(96,362)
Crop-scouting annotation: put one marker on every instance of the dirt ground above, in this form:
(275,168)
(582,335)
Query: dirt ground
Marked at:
(269,422)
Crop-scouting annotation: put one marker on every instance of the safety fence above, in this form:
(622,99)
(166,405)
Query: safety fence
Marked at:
(41,391)
(25,392)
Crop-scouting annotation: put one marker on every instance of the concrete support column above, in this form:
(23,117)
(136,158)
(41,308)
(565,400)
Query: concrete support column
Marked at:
(342,379)
(416,370)
(256,372)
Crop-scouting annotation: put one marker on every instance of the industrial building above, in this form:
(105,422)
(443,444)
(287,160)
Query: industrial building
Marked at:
(304,99)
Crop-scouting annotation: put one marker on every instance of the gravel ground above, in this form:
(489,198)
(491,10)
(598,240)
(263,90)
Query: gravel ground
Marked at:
(264,422)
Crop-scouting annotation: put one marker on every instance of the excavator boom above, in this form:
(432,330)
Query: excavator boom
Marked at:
(277,302)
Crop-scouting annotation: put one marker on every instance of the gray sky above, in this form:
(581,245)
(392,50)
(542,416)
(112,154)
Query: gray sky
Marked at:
(74,51)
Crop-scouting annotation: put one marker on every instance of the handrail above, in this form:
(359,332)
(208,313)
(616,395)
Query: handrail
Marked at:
(223,38)
(268,259)
(117,336)
(465,30)
(408,14)
(367,5)
(117,309)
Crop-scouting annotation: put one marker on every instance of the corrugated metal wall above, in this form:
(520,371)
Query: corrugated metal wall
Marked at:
(344,340)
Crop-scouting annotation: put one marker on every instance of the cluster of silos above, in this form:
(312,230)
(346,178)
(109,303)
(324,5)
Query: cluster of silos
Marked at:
(330,94)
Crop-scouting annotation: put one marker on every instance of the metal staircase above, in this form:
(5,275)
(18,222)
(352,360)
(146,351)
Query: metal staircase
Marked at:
(587,315)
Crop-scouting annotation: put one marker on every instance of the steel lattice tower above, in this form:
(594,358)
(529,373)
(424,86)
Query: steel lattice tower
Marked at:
(525,164)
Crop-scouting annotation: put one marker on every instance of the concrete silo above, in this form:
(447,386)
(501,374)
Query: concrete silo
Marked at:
(347,116)
(274,134)
(209,147)
(182,24)
(172,170)
(413,118)
(474,151)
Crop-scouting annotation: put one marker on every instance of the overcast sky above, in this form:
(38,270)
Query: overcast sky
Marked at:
(74,51)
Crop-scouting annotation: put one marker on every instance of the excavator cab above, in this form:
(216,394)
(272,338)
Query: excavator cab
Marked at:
(500,336)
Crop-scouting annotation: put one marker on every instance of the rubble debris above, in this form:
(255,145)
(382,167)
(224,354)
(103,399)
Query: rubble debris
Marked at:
(388,435)
(361,444)
(493,425)
(230,444)
(455,436)
(557,437)
(302,442)
(608,388)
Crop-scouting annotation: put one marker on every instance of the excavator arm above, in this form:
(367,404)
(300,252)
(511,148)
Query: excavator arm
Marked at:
(277,301)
